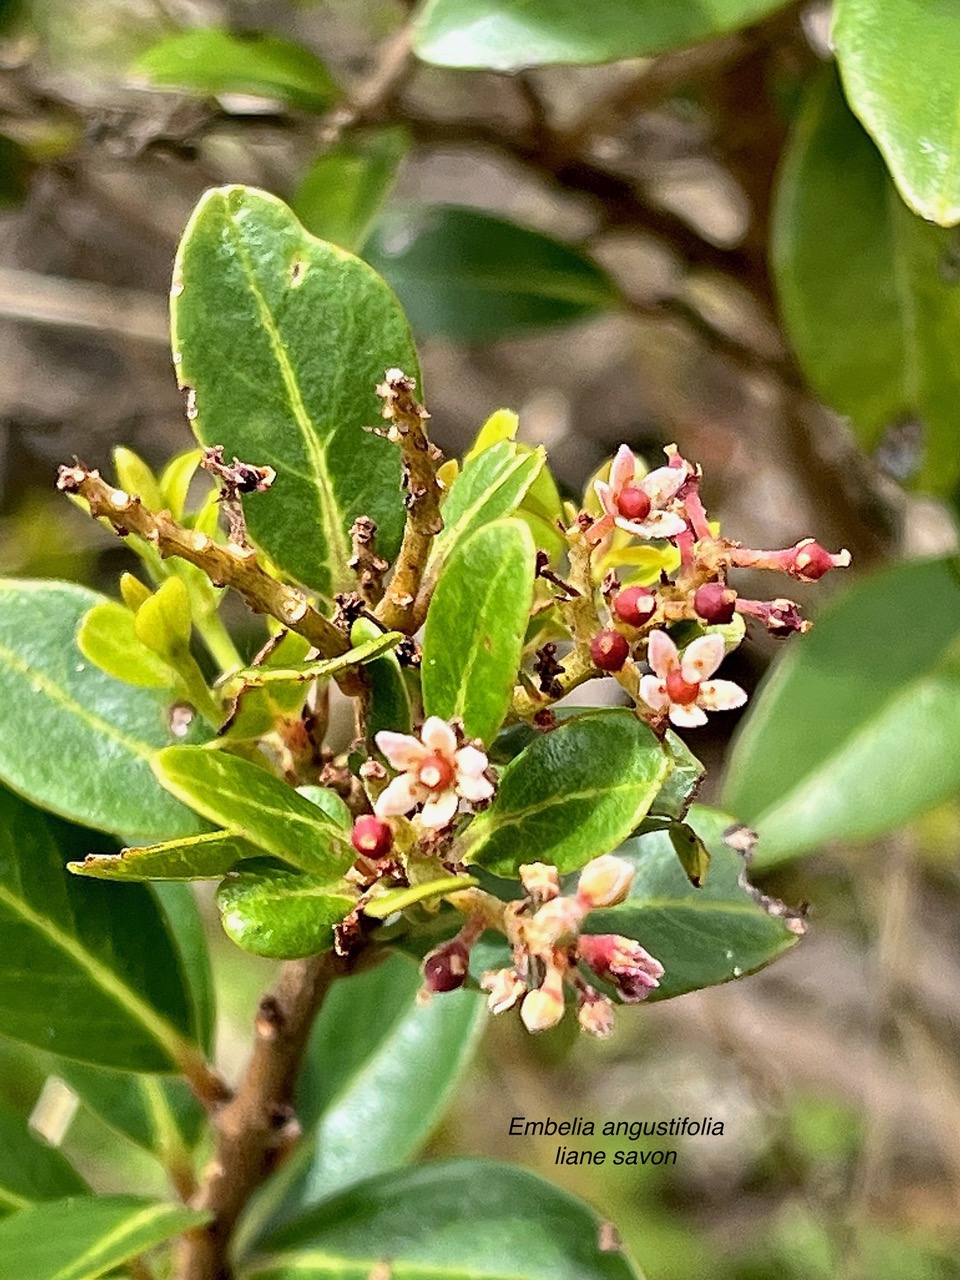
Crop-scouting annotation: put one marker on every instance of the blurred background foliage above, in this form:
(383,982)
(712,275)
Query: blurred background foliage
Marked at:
(698,242)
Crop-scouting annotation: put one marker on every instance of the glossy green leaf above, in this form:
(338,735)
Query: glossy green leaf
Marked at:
(447,1220)
(476,626)
(317,329)
(205,857)
(376,1056)
(385,904)
(31,1169)
(105,731)
(344,190)
(571,795)
(675,796)
(86,1236)
(491,485)
(134,476)
(701,936)
(857,728)
(107,638)
(257,805)
(176,480)
(258,710)
(913,120)
(107,983)
(503,424)
(471,277)
(331,804)
(387,704)
(869,292)
(209,60)
(158,1113)
(281,914)
(508,35)
(181,910)
(270,674)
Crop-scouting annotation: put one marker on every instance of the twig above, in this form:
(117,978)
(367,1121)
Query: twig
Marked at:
(398,609)
(366,564)
(47,300)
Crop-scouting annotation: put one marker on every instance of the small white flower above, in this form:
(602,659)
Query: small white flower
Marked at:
(639,507)
(681,685)
(432,772)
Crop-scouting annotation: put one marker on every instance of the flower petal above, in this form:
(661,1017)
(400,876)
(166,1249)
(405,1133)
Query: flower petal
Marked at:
(403,794)
(402,750)
(600,529)
(474,789)
(662,654)
(720,695)
(623,468)
(654,693)
(689,717)
(658,524)
(701,658)
(606,497)
(439,809)
(471,762)
(662,485)
(438,736)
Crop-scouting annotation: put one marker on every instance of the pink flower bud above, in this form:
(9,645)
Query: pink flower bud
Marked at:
(371,836)
(633,971)
(609,650)
(541,880)
(635,606)
(715,603)
(445,968)
(808,561)
(604,882)
(505,987)
(543,1008)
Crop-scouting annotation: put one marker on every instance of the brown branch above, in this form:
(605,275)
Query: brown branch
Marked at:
(366,564)
(397,611)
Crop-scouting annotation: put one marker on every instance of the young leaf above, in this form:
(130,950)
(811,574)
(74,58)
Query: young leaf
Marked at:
(386,903)
(206,857)
(30,1169)
(571,795)
(343,191)
(475,628)
(675,796)
(502,424)
(107,637)
(317,328)
(857,729)
(379,642)
(444,1221)
(210,60)
(379,1072)
(259,807)
(867,288)
(281,914)
(106,982)
(106,730)
(704,935)
(85,1237)
(471,277)
(388,701)
(509,35)
(880,44)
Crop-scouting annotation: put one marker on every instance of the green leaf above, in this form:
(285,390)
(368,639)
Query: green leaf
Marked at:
(476,626)
(573,794)
(213,61)
(30,1169)
(503,424)
(508,35)
(388,700)
(377,1058)
(158,1113)
(258,806)
(344,190)
(446,1221)
(281,914)
(179,905)
(913,120)
(85,1237)
(206,857)
(107,637)
(134,476)
(471,277)
(317,329)
(868,291)
(491,485)
(386,903)
(106,730)
(107,983)
(331,804)
(260,676)
(675,796)
(691,851)
(701,936)
(857,728)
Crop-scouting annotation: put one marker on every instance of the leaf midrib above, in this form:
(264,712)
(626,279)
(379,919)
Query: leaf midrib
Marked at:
(79,1268)
(496,825)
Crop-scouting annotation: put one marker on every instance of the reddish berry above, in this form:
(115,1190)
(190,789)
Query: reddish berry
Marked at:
(715,603)
(633,503)
(609,650)
(445,968)
(680,690)
(371,837)
(635,606)
(436,773)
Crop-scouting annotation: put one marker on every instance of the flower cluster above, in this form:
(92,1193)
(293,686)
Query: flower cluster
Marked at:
(434,774)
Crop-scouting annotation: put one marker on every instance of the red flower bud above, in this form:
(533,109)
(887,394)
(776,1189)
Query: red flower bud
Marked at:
(445,968)
(635,606)
(808,561)
(609,650)
(371,836)
(715,603)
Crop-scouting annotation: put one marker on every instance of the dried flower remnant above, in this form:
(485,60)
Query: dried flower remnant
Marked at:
(433,772)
